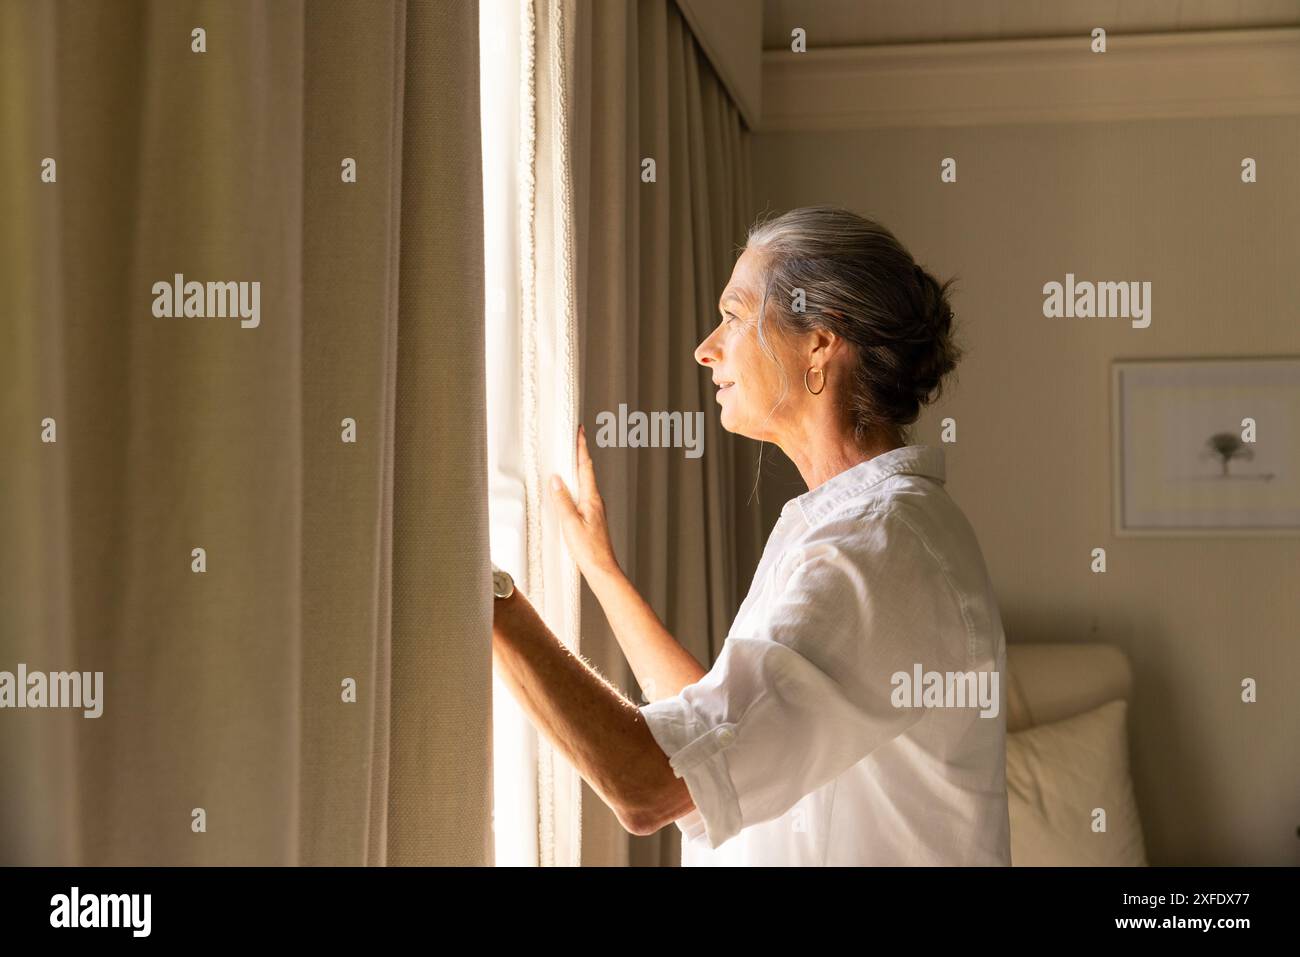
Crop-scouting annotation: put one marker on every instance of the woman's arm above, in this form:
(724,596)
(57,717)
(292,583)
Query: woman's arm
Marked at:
(602,734)
(661,664)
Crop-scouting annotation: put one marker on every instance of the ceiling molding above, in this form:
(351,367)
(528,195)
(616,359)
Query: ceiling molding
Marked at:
(1141,76)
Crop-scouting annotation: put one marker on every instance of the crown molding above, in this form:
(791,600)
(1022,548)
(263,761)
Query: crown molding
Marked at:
(1141,76)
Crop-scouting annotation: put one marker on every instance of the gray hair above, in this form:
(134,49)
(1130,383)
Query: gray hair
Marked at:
(860,283)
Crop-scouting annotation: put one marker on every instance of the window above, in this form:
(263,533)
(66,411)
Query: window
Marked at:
(514,739)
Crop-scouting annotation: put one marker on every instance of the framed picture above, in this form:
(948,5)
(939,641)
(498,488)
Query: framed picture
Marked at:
(1206,447)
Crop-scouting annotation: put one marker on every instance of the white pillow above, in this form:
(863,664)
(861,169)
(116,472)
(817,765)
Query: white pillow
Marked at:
(1057,774)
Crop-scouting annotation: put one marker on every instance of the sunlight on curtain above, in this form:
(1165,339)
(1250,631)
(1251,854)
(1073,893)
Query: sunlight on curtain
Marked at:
(532,384)
(548,324)
(514,740)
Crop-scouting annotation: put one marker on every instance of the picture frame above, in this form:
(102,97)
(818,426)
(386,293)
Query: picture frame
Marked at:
(1185,462)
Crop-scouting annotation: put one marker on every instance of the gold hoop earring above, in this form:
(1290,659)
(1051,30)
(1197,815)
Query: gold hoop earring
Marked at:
(808,387)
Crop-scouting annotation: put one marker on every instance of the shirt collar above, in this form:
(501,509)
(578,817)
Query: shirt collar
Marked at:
(816,504)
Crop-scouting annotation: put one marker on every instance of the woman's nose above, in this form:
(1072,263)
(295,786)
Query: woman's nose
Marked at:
(707,352)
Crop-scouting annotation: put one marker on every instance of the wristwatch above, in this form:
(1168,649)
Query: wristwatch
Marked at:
(503,586)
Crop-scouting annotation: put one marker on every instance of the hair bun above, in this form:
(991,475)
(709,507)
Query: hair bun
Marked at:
(940,354)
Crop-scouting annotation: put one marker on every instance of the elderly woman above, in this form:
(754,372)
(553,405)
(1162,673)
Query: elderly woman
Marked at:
(828,731)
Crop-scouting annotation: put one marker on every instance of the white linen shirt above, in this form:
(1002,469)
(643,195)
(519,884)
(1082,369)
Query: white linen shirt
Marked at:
(791,746)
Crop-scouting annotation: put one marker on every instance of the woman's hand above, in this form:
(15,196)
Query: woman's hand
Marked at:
(583,524)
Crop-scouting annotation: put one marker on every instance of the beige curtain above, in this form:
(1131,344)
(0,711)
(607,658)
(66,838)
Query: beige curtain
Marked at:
(326,560)
(651,260)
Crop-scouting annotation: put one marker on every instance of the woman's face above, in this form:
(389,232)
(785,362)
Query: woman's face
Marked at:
(749,383)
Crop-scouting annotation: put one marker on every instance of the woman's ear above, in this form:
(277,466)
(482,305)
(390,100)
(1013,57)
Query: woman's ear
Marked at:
(824,346)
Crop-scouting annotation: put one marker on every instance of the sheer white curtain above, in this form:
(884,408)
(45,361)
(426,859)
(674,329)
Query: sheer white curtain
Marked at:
(532,391)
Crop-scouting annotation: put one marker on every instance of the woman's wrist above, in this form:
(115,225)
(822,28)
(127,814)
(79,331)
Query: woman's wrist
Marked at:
(600,576)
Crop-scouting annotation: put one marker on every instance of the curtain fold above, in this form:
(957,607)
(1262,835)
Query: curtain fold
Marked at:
(330,459)
(651,260)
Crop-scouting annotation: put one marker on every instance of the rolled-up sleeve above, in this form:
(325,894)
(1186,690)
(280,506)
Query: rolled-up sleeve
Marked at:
(802,691)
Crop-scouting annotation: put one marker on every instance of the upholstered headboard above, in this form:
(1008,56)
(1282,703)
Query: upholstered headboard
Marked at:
(1048,682)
